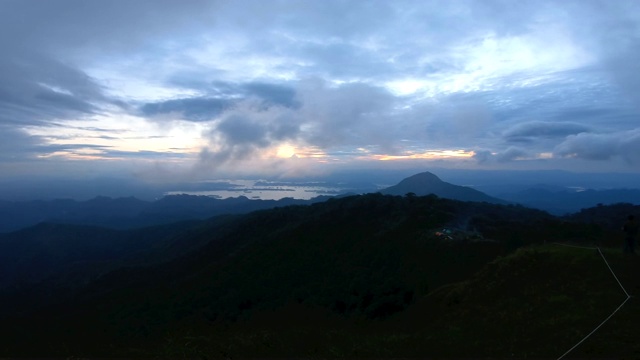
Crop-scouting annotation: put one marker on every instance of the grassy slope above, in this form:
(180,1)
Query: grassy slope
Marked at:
(619,337)
(538,302)
(535,303)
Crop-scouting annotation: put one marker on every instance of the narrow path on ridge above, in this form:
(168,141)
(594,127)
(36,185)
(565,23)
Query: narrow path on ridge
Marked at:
(620,336)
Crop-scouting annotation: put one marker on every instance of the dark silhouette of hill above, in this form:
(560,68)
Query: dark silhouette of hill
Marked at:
(45,264)
(364,257)
(561,201)
(427,183)
(537,302)
(608,217)
(127,213)
(47,250)
(360,276)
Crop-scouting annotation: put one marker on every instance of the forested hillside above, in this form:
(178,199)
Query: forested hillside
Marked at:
(363,275)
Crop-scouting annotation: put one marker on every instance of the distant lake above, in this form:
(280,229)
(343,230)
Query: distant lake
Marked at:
(266,190)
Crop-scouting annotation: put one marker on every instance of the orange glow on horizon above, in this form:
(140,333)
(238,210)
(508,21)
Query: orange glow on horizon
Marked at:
(287,151)
(428,155)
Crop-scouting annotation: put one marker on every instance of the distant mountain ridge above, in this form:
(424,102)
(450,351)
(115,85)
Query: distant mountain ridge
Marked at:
(366,269)
(560,201)
(130,212)
(426,183)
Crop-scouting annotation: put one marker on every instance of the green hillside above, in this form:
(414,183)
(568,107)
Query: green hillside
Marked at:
(361,276)
(535,303)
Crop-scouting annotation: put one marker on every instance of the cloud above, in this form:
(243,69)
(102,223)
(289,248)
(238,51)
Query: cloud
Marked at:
(37,89)
(482,156)
(353,114)
(612,31)
(221,96)
(535,130)
(16,144)
(70,147)
(59,26)
(453,120)
(194,109)
(48,45)
(344,79)
(271,93)
(332,119)
(143,154)
(243,131)
(602,147)
(625,71)
(510,154)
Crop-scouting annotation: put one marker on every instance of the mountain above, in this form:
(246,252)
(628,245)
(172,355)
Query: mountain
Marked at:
(561,200)
(74,255)
(128,213)
(366,256)
(427,183)
(360,276)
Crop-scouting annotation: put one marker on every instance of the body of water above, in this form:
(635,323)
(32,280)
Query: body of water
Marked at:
(266,190)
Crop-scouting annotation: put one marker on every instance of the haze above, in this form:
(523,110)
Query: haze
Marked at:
(159,93)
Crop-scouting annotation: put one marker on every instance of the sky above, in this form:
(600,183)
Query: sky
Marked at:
(168,90)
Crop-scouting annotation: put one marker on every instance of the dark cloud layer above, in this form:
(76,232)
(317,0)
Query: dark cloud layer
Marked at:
(16,145)
(271,94)
(36,89)
(223,96)
(533,131)
(59,26)
(194,109)
(512,153)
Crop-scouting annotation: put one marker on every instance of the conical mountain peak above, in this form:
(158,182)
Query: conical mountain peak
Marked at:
(426,183)
(424,178)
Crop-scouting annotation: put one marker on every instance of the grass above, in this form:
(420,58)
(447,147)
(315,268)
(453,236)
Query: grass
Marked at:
(535,303)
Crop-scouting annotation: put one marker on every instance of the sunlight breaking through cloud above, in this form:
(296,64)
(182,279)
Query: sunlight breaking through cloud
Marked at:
(427,155)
